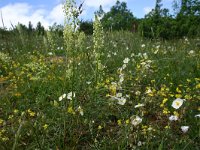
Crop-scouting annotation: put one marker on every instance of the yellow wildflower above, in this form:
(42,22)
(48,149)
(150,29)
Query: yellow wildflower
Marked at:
(4,139)
(198,86)
(167,127)
(31,113)
(71,110)
(100,127)
(178,90)
(127,121)
(10,116)
(119,122)
(45,126)
(17,94)
(1,121)
(162,105)
(16,111)
(176,113)
(188,97)
(165,100)
(178,95)
(166,111)
(113,89)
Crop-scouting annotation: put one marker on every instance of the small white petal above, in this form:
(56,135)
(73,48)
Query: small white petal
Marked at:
(135,120)
(184,128)
(119,95)
(197,115)
(121,101)
(126,60)
(173,118)
(139,105)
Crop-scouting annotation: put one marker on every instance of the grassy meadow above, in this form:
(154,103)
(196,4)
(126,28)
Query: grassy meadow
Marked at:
(139,93)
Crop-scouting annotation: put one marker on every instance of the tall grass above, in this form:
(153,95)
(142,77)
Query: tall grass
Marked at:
(157,73)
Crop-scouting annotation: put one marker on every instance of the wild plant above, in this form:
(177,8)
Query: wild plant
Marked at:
(98,46)
(73,39)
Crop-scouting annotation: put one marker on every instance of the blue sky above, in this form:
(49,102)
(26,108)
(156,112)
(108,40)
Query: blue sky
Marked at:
(50,11)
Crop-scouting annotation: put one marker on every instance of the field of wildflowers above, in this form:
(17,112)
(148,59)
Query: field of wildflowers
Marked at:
(106,91)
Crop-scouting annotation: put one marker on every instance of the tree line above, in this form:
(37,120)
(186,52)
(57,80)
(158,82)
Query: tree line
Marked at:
(158,23)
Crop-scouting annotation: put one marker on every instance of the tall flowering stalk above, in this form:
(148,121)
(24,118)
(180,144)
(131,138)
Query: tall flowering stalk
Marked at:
(98,43)
(73,38)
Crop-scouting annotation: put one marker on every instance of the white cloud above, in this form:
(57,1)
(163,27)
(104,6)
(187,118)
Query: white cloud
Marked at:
(24,12)
(147,10)
(97,3)
(57,15)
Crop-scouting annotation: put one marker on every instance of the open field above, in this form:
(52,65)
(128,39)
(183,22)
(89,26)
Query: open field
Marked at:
(141,94)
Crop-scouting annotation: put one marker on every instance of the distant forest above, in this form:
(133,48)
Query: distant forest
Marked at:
(158,23)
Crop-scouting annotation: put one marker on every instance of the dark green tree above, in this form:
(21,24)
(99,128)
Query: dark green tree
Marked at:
(118,18)
(157,23)
(86,27)
(30,27)
(100,13)
(40,29)
(188,17)
(57,29)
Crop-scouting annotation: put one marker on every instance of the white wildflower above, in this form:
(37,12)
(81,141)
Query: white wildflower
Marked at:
(135,120)
(139,143)
(145,56)
(139,105)
(124,66)
(132,54)
(155,52)
(137,93)
(121,78)
(158,46)
(191,52)
(177,103)
(184,128)
(119,95)
(148,91)
(121,101)
(50,53)
(173,118)
(80,110)
(88,82)
(197,115)
(62,97)
(69,95)
(126,60)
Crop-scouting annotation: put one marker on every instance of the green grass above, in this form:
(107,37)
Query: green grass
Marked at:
(31,82)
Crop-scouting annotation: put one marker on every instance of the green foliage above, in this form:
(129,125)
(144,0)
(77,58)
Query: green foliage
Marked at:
(36,110)
(188,18)
(86,27)
(40,29)
(160,24)
(118,18)
(57,28)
